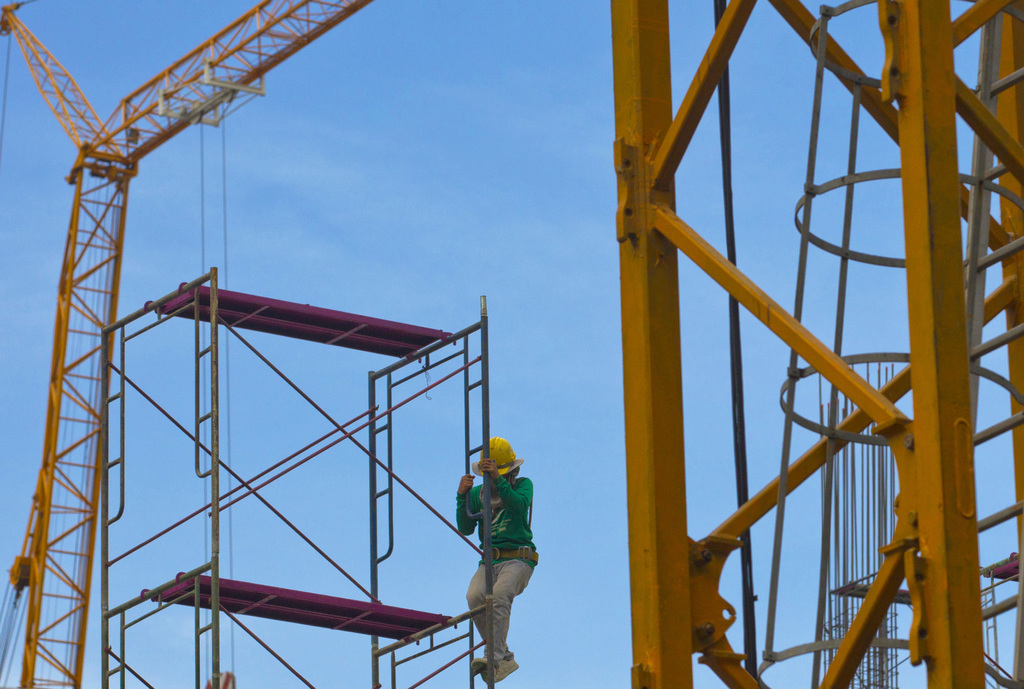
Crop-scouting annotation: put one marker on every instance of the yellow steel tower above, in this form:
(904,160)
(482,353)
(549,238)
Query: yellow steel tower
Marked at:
(55,563)
(678,611)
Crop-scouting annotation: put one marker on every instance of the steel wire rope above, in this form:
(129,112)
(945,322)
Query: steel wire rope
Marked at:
(8,609)
(227,364)
(3,105)
(18,618)
(9,620)
(202,342)
(736,367)
(227,358)
(204,381)
(202,270)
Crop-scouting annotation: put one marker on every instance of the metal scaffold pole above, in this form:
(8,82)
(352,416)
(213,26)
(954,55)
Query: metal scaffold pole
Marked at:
(485,492)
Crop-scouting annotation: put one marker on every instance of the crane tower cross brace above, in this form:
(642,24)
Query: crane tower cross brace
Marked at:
(55,562)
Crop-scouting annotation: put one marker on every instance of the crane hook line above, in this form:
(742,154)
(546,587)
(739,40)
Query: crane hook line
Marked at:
(3,106)
(16,617)
(227,362)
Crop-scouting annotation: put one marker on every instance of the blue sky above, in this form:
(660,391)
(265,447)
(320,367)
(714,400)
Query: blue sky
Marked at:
(416,157)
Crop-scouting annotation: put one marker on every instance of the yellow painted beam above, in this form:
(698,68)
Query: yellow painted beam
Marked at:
(1010,111)
(829,364)
(1002,297)
(974,17)
(942,439)
(997,236)
(805,467)
(988,127)
(666,159)
(659,566)
(725,663)
(801,20)
(812,460)
(873,610)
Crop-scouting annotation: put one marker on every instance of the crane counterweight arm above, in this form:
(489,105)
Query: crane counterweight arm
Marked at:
(59,89)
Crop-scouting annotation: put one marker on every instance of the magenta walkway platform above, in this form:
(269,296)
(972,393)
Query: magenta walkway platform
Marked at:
(307,322)
(300,607)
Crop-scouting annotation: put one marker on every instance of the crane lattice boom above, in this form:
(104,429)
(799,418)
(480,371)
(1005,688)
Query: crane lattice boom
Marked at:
(55,563)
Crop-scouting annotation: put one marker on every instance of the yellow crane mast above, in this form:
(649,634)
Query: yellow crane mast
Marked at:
(56,559)
(678,608)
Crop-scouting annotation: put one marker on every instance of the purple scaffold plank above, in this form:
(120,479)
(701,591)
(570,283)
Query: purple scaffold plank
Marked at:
(307,322)
(300,607)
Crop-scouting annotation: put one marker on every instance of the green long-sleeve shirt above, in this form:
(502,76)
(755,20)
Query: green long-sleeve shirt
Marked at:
(510,524)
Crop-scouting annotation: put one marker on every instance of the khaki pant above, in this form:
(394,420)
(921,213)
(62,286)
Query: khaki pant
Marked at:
(510,579)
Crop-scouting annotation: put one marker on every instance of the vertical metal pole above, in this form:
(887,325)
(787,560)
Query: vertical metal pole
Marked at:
(122,456)
(798,307)
(391,467)
(467,419)
(372,444)
(472,643)
(124,650)
(122,476)
(198,356)
(1010,111)
(215,479)
(485,491)
(833,405)
(198,625)
(980,201)
(942,447)
(105,511)
(659,565)
(467,431)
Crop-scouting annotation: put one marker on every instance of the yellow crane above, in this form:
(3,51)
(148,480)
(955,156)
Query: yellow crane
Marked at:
(55,563)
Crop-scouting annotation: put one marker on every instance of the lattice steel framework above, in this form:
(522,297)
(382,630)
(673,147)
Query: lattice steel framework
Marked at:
(55,563)
(677,608)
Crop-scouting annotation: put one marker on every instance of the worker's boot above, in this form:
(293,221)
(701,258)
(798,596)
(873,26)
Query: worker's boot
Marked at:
(505,668)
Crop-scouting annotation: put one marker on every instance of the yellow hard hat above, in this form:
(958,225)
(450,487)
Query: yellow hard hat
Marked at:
(503,455)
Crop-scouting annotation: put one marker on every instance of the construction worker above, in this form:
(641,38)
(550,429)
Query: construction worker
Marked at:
(514,554)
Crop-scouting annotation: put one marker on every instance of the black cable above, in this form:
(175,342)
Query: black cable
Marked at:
(202,199)
(736,368)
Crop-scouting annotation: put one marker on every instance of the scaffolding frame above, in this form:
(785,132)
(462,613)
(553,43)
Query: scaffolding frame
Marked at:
(201,586)
(387,376)
(212,418)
